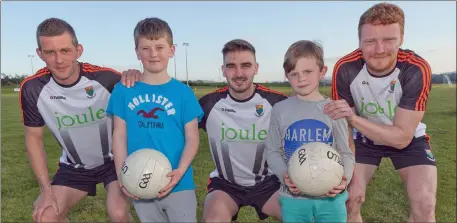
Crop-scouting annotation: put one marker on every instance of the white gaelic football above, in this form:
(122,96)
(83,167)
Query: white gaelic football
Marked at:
(315,168)
(144,173)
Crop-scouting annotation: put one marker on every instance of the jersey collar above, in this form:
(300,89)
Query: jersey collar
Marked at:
(77,80)
(247,99)
(385,75)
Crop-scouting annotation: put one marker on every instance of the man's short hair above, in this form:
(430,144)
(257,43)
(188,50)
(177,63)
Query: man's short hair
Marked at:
(55,27)
(237,45)
(152,29)
(383,14)
(302,49)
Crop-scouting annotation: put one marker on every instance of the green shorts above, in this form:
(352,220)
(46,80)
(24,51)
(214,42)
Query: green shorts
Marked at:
(329,209)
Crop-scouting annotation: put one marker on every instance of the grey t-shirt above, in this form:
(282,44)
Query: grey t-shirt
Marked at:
(294,122)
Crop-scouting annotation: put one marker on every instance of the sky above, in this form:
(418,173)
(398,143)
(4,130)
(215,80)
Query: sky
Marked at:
(105,29)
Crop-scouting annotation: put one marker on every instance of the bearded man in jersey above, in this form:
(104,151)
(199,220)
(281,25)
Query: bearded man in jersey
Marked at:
(236,119)
(70,98)
(382,91)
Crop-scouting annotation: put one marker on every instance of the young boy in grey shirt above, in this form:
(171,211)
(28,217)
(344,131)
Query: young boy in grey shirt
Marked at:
(298,120)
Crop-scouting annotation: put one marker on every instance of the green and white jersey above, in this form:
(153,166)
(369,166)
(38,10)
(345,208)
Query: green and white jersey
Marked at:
(237,131)
(75,114)
(376,98)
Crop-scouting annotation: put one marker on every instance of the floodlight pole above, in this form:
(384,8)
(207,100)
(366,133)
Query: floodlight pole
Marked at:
(31,62)
(187,73)
(174,57)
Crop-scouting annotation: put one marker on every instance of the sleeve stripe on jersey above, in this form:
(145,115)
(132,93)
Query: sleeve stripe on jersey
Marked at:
(39,73)
(426,77)
(355,55)
(225,88)
(93,68)
(265,89)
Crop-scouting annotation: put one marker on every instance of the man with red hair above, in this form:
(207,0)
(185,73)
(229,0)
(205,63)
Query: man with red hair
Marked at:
(382,91)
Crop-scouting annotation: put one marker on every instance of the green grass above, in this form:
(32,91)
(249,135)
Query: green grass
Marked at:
(386,199)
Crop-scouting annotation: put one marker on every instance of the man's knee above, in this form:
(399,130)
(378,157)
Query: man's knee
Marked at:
(219,207)
(217,217)
(117,204)
(119,211)
(272,207)
(217,213)
(50,216)
(354,202)
(424,208)
(215,210)
(421,184)
(119,214)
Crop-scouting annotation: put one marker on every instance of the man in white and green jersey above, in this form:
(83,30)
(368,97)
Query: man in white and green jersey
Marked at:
(70,98)
(382,90)
(236,120)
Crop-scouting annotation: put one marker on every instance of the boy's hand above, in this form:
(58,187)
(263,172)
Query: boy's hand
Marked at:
(129,77)
(176,176)
(338,189)
(290,184)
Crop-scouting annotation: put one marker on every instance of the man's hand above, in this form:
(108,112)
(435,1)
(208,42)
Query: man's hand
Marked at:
(338,189)
(339,109)
(176,176)
(125,190)
(46,200)
(129,77)
(292,187)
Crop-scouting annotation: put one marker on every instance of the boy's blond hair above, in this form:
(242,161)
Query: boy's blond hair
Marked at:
(301,49)
(152,29)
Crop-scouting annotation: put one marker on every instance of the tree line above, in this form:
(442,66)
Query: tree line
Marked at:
(12,80)
(436,79)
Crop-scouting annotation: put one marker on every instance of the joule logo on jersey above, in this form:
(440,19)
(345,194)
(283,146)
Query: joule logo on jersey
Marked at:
(374,109)
(251,134)
(153,98)
(90,116)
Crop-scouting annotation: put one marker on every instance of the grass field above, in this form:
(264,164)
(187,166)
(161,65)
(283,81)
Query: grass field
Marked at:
(386,200)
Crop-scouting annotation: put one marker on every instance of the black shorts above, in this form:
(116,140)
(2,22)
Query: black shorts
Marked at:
(85,179)
(255,196)
(418,152)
